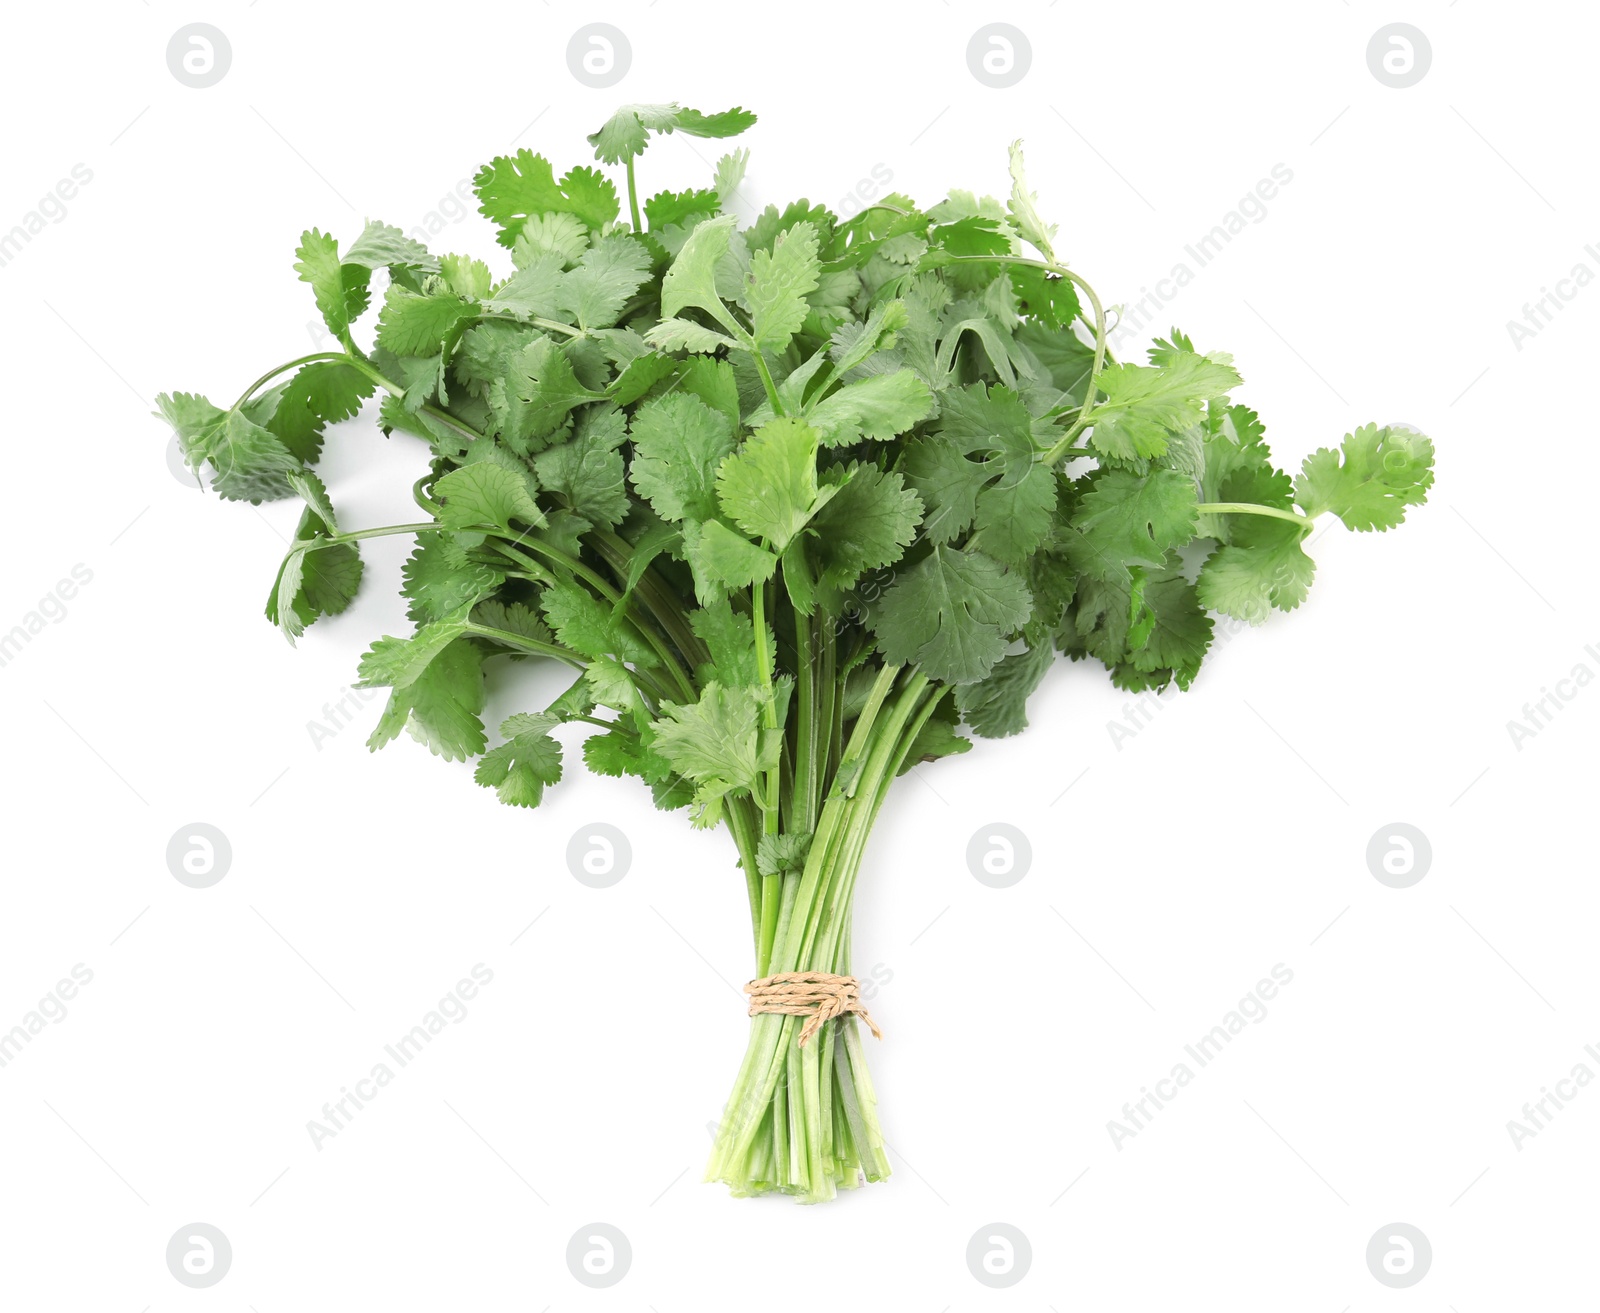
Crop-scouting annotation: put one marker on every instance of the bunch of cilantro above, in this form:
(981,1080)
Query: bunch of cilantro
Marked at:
(797,502)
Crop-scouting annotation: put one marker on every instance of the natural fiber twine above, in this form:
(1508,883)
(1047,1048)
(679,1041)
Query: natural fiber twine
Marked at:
(814,994)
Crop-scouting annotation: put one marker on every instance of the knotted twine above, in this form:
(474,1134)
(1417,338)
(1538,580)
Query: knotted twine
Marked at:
(818,995)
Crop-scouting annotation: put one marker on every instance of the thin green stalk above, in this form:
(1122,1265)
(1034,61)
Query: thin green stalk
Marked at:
(548,325)
(362,365)
(633,198)
(900,749)
(335,540)
(1250,508)
(741,824)
(283,369)
(771,885)
(808,732)
(685,686)
(526,644)
(766,380)
(769,709)
(659,600)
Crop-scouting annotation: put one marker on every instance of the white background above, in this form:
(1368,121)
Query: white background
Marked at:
(1230,834)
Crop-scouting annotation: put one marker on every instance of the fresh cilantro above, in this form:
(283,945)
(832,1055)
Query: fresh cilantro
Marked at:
(798,505)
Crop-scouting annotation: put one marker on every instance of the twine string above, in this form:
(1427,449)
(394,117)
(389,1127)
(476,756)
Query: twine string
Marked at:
(817,995)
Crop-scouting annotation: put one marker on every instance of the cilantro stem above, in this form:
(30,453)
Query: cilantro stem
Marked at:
(659,600)
(549,325)
(1303,522)
(335,540)
(766,381)
(633,198)
(742,824)
(283,369)
(361,364)
(526,644)
(809,745)
(680,678)
(769,711)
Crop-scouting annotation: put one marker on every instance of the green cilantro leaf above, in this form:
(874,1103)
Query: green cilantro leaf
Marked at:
(718,743)
(610,272)
(669,209)
(341,295)
(588,626)
(521,767)
(586,473)
(778,284)
(678,444)
(982,468)
(412,325)
(321,393)
(769,486)
(691,281)
(951,615)
(997,706)
(1145,404)
(440,579)
(513,189)
(440,706)
(721,560)
(249,462)
(880,407)
(1024,207)
(383,246)
(624,135)
(730,638)
(486,495)
(1264,566)
(313,580)
(868,523)
(1370,480)
(1123,519)
(538,393)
